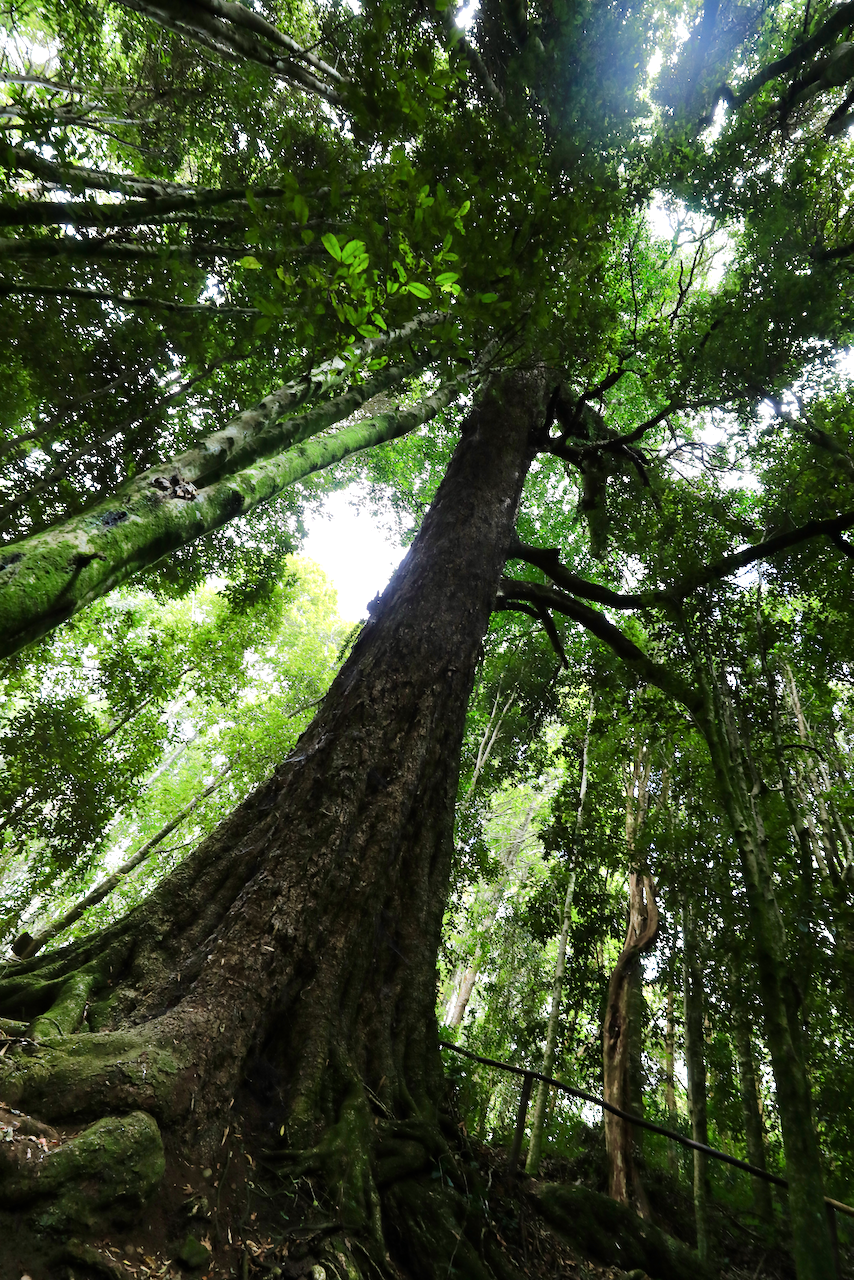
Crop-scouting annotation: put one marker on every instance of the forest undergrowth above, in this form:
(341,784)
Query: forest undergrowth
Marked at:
(239,1218)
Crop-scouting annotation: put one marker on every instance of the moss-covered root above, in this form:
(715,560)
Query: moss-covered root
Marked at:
(68,1009)
(431,1230)
(399,1195)
(70,1076)
(105,1173)
(611,1233)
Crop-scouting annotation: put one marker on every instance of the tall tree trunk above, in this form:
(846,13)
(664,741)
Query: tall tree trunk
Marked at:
(535,1148)
(296,949)
(620,1028)
(780,995)
(749,1094)
(670,1080)
(695,1062)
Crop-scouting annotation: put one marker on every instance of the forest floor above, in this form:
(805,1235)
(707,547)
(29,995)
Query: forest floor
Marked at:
(237,1220)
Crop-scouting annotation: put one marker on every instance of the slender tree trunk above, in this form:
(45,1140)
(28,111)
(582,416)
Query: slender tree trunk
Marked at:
(622,1032)
(670,1080)
(297,947)
(462,994)
(495,896)
(621,1022)
(781,998)
(749,1094)
(535,1148)
(695,1061)
(27,945)
(532,1165)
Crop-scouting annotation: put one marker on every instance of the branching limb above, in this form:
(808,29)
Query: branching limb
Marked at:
(839,21)
(242,16)
(598,625)
(199,22)
(548,561)
(541,613)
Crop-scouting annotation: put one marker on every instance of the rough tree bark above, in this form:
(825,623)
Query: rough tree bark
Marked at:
(297,946)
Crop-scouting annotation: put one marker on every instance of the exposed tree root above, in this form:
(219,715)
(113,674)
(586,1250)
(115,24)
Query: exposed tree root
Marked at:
(109,1169)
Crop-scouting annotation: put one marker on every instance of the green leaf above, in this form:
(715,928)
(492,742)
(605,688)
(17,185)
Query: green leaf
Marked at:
(250,263)
(351,249)
(300,208)
(446,278)
(418,289)
(331,245)
(488,297)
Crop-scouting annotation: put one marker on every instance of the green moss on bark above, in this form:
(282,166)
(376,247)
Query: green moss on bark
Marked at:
(106,1172)
(613,1234)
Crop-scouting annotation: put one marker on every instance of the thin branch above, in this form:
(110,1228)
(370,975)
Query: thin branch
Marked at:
(97,295)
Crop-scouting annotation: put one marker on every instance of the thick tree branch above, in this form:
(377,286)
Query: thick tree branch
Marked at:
(548,560)
(52,575)
(73,178)
(131,213)
(102,250)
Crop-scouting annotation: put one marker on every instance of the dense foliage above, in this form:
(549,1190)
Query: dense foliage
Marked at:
(246,243)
